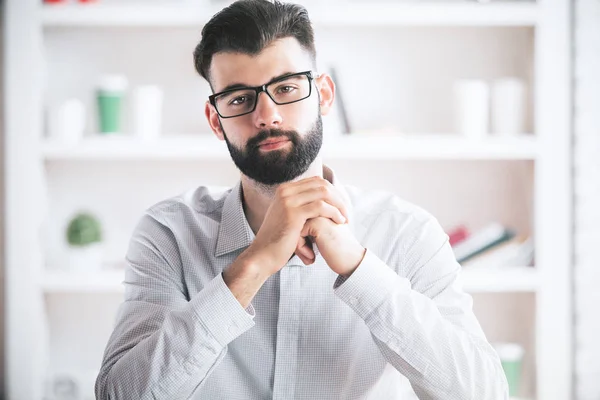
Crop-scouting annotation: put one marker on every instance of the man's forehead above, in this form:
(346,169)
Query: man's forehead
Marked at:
(280,57)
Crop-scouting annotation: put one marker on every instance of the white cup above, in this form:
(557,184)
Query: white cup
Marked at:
(148,102)
(472,107)
(508,106)
(67,122)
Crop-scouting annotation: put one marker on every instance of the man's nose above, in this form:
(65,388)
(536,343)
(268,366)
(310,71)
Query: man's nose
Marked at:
(266,114)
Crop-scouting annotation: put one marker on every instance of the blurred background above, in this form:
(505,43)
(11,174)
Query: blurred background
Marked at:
(484,113)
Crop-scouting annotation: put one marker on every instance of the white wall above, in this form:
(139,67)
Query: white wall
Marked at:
(2,200)
(587,197)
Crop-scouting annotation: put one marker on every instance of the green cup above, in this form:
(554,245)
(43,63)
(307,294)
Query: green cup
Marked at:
(511,357)
(110,97)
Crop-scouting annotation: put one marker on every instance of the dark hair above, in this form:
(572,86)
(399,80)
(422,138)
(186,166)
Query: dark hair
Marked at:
(248,26)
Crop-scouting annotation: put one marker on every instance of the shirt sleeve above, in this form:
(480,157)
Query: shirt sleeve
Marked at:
(164,343)
(422,320)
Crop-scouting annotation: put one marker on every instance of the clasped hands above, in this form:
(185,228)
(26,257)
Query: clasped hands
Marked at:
(302,212)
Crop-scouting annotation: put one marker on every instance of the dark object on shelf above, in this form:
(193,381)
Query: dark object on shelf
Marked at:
(340,102)
(83,230)
(458,234)
(485,239)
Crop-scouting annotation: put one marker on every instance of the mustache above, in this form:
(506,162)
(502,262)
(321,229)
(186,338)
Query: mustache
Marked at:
(252,143)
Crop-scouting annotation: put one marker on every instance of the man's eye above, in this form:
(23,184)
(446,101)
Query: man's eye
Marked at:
(238,100)
(286,89)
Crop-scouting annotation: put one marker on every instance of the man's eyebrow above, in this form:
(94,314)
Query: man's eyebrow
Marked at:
(245,86)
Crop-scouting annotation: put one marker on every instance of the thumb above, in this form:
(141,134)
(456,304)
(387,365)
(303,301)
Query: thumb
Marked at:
(304,247)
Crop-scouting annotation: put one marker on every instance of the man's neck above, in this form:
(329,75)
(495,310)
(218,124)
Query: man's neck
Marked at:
(257,197)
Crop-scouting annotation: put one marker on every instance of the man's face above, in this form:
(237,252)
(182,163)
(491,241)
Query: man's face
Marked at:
(297,126)
(278,162)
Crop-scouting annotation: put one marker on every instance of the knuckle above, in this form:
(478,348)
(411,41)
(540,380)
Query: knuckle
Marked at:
(282,192)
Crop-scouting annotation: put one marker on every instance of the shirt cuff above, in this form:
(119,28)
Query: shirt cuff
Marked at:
(222,314)
(369,285)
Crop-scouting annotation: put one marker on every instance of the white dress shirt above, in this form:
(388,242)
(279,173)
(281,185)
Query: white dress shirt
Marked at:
(399,326)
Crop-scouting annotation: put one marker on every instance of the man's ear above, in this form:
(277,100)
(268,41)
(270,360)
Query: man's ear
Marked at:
(326,88)
(213,120)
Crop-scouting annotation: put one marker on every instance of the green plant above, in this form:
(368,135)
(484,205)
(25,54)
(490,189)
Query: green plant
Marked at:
(84,229)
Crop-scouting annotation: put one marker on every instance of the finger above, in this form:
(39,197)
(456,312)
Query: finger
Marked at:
(305,260)
(311,229)
(304,247)
(321,193)
(303,252)
(336,196)
(320,208)
(311,189)
(292,188)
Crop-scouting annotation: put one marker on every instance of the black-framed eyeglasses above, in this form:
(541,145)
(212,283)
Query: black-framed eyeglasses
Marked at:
(286,89)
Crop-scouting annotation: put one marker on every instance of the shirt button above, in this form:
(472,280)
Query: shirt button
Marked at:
(232,329)
(353,301)
(189,367)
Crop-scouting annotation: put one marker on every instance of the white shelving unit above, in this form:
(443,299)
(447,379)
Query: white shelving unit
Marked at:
(54,52)
(72,282)
(501,280)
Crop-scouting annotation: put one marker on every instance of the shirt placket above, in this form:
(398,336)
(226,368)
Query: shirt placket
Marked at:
(288,329)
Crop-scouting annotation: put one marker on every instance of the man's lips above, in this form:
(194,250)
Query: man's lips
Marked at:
(273,141)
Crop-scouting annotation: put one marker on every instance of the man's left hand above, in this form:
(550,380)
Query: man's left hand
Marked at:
(336,243)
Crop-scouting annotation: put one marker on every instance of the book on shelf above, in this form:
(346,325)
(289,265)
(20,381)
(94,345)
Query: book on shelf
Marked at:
(458,234)
(515,252)
(481,241)
(339,105)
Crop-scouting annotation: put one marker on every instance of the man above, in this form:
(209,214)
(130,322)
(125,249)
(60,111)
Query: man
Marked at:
(289,285)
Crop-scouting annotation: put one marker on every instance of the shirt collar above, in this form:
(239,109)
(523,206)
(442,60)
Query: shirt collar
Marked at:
(235,232)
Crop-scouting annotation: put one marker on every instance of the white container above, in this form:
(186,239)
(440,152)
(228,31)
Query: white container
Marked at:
(70,384)
(508,106)
(472,108)
(148,102)
(67,122)
(507,351)
(85,259)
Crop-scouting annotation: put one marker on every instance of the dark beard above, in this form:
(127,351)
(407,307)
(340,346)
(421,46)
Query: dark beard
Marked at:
(278,166)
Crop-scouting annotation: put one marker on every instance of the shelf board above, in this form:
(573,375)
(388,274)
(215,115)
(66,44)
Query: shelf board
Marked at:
(350,147)
(442,13)
(109,281)
(124,147)
(431,146)
(519,14)
(498,280)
